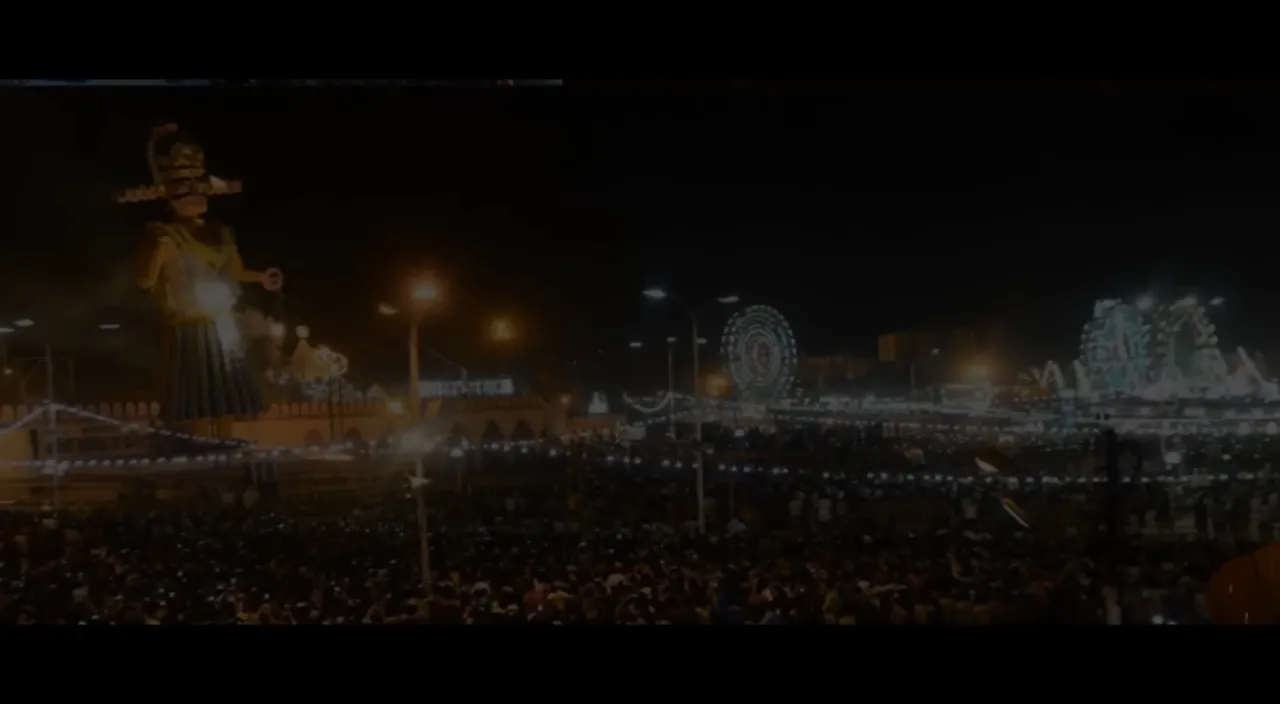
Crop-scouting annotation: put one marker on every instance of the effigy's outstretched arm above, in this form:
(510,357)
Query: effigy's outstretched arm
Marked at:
(240,273)
(270,279)
(155,251)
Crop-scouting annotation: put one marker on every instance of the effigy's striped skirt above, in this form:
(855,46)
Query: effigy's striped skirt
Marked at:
(205,378)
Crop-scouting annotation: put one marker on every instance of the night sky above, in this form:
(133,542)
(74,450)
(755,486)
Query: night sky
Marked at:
(853,210)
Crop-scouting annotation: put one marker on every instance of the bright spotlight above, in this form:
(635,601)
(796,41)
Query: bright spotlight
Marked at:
(425,290)
(417,441)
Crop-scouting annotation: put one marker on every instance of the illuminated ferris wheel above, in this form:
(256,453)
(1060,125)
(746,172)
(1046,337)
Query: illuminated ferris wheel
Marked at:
(1187,351)
(760,353)
(1115,348)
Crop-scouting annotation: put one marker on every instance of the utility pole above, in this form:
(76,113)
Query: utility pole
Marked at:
(53,430)
(1121,455)
(671,387)
(425,294)
(700,485)
(329,387)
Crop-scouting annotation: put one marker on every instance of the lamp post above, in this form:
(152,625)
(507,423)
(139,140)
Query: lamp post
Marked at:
(502,334)
(423,294)
(671,387)
(658,294)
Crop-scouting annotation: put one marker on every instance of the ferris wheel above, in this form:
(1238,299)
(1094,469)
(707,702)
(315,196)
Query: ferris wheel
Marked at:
(1187,351)
(1115,348)
(760,353)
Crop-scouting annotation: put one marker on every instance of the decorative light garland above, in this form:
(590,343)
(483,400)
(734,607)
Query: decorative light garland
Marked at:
(42,409)
(638,404)
(605,456)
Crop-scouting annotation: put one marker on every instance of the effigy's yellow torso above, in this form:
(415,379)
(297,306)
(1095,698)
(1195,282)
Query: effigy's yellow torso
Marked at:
(192,271)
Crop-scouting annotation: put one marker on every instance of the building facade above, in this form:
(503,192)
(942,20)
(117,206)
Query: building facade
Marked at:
(930,357)
(832,373)
(921,345)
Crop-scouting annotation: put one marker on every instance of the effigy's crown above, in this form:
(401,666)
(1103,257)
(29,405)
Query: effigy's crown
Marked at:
(183,160)
(177,165)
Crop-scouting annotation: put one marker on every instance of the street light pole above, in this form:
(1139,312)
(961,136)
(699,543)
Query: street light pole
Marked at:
(53,430)
(671,387)
(658,294)
(697,388)
(423,294)
(415,397)
(700,479)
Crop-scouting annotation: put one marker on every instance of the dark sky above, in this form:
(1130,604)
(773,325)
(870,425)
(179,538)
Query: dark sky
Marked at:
(853,210)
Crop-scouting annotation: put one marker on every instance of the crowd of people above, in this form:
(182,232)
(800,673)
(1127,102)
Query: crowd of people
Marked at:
(604,546)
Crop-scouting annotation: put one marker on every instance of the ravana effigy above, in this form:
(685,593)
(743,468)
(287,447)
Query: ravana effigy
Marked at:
(192,268)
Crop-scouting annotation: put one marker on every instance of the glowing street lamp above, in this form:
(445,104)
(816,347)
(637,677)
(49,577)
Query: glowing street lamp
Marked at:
(501,330)
(425,290)
(717,385)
